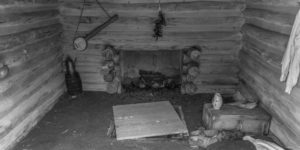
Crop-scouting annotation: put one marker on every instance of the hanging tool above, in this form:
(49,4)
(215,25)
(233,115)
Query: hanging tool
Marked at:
(80,43)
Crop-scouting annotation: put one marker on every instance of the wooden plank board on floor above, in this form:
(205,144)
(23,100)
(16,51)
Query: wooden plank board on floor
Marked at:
(147,120)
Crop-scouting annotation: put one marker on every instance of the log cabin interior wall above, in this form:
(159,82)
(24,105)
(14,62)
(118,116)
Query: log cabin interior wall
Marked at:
(30,45)
(266,33)
(213,25)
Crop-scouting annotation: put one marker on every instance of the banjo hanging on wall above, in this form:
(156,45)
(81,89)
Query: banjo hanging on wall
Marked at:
(80,43)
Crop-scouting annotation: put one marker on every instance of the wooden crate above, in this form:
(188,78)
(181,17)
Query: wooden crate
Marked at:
(255,121)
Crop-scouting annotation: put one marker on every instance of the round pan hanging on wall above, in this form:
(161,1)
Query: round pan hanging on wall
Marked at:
(81,43)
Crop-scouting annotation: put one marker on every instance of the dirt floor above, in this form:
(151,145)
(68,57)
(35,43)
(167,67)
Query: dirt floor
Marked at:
(82,123)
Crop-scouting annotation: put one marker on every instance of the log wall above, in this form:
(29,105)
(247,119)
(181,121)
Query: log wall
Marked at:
(266,33)
(30,45)
(213,25)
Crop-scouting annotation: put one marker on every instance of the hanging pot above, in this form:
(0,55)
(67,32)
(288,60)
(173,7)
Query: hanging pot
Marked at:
(3,71)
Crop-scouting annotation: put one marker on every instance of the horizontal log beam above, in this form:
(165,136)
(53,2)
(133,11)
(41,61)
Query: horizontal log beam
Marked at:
(223,89)
(11,42)
(14,99)
(46,91)
(23,128)
(27,8)
(290,139)
(215,79)
(270,99)
(7,29)
(273,21)
(125,13)
(149,1)
(166,7)
(283,6)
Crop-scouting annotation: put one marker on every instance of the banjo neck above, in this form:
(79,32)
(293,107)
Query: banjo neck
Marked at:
(101,27)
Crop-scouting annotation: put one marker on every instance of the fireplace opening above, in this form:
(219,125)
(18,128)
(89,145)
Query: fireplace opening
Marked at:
(146,70)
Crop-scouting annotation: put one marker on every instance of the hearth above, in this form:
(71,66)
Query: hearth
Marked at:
(150,69)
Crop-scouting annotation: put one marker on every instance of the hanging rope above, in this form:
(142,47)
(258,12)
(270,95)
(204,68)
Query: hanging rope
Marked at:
(159,8)
(100,5)
(81,12)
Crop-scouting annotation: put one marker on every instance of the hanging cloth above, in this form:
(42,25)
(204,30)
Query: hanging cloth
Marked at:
(291,60)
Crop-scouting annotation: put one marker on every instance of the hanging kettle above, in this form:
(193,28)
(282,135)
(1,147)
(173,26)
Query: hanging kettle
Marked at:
(4,70)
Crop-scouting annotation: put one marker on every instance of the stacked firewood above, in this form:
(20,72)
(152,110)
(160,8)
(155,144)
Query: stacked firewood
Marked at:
(111,69)
(190,69)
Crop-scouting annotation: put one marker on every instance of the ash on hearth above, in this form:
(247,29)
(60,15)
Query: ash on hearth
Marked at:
(151,80)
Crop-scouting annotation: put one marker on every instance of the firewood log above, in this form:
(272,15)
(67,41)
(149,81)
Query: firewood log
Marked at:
(187,78)
(190,78)
(193,71)
(108,53)
(190,88)
(114,86)
(194,55)
(109,77)
(105,70)
(109,63)
(186,67)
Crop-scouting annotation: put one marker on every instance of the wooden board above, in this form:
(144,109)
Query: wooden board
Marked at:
(147,120)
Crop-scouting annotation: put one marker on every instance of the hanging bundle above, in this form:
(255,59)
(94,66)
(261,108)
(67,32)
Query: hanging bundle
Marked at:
(159,23)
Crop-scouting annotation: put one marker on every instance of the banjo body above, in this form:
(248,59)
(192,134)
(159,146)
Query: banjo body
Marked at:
(81,43)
